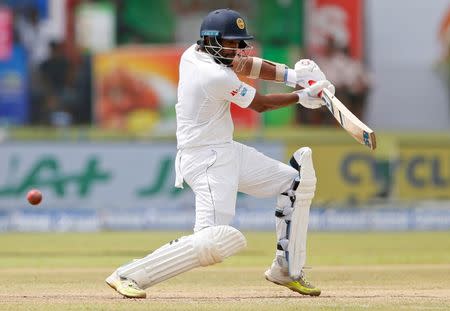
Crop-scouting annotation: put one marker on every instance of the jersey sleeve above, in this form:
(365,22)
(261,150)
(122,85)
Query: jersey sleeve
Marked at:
(227,86)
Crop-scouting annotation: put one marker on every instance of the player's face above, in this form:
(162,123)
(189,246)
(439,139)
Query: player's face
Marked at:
(230,48)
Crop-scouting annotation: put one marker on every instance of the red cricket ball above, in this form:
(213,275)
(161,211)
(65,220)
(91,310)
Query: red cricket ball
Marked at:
(34,196)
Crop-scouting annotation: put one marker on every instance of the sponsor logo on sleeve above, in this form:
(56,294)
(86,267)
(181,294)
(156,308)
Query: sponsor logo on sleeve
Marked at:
(241,90)
(244,91)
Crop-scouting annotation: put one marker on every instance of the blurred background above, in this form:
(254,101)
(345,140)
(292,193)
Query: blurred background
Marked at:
(88,89)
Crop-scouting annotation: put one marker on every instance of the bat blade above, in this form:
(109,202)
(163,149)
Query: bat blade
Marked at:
(357,129)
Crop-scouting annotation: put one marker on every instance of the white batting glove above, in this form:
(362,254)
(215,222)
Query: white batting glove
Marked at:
(310,96)
(307,70)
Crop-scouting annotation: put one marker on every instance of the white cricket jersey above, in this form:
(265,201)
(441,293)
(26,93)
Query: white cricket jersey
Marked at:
(205,91)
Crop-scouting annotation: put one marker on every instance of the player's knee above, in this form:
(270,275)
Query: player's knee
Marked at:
(302,161)
(302,157)
(214,244)
(302,187)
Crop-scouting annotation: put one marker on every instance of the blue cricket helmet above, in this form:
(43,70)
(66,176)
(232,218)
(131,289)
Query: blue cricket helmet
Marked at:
(224,24)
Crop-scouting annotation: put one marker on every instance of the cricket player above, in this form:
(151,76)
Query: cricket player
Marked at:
(216,167)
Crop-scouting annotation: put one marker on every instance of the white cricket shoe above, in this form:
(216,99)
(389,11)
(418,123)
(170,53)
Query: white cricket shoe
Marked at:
(279,275)
(126,287)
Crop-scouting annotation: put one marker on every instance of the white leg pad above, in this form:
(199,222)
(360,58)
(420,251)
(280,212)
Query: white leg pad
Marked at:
(300,216)
(205,247)
(295,219)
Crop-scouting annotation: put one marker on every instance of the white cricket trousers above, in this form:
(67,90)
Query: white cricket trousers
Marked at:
(216,173)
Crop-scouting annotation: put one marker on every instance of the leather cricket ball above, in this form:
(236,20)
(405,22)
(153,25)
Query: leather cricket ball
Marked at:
(34,196)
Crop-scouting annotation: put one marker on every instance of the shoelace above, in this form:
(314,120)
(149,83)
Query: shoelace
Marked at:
(132,284)
(305,281)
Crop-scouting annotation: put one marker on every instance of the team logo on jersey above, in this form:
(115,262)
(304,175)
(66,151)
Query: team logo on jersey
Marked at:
(240,23)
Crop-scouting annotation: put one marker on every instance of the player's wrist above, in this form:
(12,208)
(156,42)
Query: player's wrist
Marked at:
(302,96)
(290,77)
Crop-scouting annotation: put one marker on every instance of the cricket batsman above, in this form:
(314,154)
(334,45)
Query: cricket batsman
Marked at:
(216,167)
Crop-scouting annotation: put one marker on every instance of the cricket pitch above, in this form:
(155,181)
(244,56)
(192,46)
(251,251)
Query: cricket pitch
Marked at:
(356,271)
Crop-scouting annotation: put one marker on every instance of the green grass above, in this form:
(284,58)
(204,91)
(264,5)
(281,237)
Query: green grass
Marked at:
(356,271)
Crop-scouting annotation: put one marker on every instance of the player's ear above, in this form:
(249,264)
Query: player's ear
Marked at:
(243,44)
(203,41)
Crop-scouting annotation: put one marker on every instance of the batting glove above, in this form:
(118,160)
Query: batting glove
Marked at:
(307,70)
(310,96)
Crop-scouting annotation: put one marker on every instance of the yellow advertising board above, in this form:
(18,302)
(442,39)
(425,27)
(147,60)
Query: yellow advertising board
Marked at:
(422,171)
(414,170)
(345,172)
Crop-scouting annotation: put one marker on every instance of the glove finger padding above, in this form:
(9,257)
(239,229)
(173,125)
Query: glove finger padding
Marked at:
(317,87)
(307,70)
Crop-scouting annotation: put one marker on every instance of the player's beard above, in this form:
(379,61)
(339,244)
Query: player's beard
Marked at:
(218,57)
(221,54)
(224,60)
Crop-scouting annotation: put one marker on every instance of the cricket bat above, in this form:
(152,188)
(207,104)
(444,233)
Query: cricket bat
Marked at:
(361,132)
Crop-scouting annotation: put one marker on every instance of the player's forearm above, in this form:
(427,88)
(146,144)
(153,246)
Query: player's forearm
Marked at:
(263,103)
(257,68)
(267,71)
